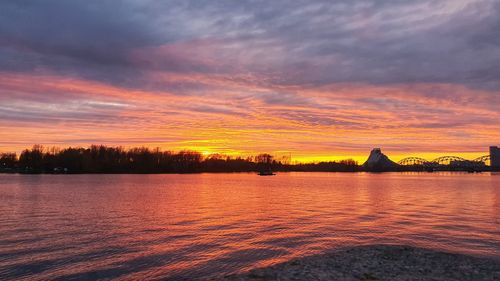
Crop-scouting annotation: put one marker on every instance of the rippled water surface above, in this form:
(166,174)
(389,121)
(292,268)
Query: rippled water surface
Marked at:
(189,226)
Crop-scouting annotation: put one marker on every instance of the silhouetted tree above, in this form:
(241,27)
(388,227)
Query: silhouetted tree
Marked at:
(264,158)
(104,159)
(8,161)
(32,160)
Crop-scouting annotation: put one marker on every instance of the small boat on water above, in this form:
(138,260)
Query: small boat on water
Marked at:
(266,173)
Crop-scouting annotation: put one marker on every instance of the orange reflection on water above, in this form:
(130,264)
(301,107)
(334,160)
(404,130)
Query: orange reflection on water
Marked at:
(152,226)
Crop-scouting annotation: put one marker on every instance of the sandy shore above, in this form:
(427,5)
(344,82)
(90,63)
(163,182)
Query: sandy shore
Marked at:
(380,262)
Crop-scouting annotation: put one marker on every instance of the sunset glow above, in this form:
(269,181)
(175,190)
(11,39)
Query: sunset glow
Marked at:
(249,140)
(329,83)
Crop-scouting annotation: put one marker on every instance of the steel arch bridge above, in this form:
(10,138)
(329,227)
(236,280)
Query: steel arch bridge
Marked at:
(446,160)
(410,161)
(443,160)
(484,158)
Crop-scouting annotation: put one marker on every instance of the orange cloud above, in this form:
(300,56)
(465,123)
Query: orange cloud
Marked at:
(242,116)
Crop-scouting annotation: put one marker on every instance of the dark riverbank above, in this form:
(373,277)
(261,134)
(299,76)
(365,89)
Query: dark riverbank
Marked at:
(142,160)
(380,262)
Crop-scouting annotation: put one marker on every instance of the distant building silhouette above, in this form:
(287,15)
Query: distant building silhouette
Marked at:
(495,158)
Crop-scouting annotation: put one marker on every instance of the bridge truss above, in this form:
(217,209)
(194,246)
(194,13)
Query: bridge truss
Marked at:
(410,161)
(443,160)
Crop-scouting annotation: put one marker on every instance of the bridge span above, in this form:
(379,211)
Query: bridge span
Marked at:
(443,160)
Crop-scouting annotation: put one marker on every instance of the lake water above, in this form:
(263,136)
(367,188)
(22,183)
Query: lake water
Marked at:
(208,225)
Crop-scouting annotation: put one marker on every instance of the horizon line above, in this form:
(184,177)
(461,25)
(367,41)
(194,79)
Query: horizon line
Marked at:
(302,158)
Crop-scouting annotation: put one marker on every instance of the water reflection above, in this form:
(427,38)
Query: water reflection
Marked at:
(187,226)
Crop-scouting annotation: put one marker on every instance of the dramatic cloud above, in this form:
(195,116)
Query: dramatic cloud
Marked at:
(312,77)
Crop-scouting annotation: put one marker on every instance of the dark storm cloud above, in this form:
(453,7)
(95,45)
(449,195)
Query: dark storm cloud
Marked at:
(298,42)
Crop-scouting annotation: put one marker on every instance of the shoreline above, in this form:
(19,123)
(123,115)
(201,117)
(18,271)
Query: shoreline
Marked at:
(379,262)
(256,172)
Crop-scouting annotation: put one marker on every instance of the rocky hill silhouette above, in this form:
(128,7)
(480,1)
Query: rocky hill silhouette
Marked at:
(379,162)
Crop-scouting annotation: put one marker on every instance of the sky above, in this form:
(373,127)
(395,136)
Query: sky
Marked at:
(320,80)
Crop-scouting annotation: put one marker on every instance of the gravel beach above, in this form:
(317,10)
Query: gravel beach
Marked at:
(380,262)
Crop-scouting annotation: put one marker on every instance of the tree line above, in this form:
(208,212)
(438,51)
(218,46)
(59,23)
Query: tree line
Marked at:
(105,159)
